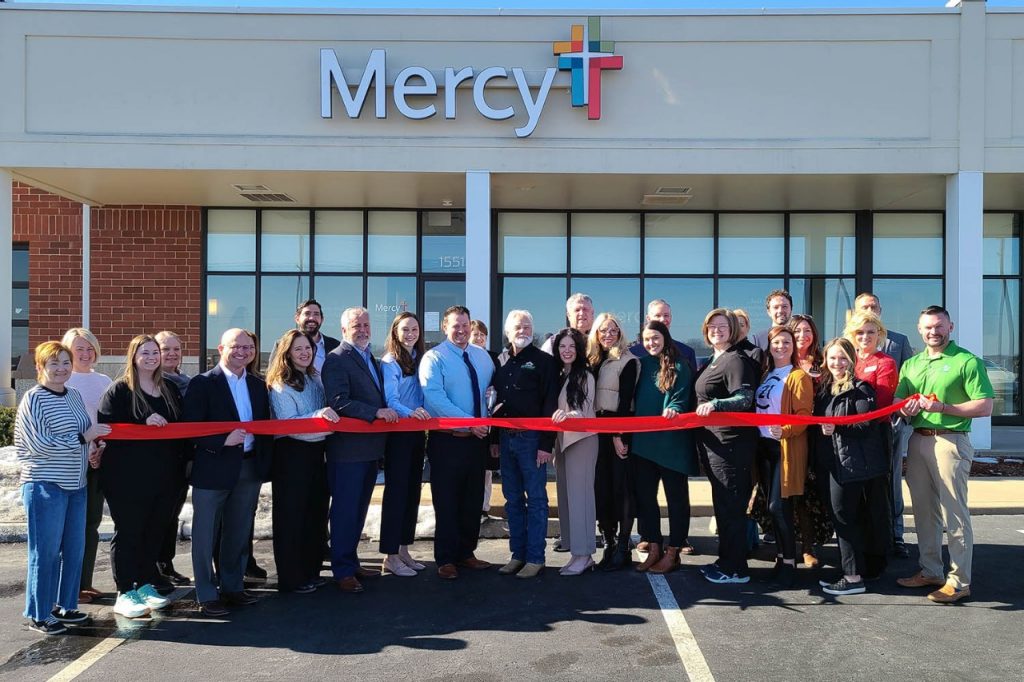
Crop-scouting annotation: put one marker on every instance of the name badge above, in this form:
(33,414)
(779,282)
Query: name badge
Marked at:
(872,368)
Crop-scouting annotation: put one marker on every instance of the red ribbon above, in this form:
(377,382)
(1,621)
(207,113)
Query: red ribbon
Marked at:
(288,427)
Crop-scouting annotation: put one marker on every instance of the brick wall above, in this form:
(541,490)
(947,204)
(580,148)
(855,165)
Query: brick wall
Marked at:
(145,268)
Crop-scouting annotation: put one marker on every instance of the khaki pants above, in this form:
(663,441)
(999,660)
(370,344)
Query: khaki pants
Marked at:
(937,471)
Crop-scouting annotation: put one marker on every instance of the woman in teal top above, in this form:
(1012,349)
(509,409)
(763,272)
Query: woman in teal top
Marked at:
(665,388)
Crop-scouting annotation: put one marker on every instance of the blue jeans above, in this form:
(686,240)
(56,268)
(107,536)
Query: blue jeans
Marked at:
(524,485)
(56,544)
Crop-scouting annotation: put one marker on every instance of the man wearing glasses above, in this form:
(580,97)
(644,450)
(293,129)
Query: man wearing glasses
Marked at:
(226,472)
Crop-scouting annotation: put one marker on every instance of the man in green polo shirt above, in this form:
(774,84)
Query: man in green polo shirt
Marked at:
(940,452)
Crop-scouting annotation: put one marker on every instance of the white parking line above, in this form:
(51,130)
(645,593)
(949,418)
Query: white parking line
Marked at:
(686,645)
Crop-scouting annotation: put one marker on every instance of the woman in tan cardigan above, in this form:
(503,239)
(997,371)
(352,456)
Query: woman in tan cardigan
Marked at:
(575,453)
(782,450)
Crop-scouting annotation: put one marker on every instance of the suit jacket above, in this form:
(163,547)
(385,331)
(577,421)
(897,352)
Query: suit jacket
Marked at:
(897,346)
(760,339)
(216,466)
(351,391)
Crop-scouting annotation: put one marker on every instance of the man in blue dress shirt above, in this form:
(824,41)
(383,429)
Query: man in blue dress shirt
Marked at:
(455,376)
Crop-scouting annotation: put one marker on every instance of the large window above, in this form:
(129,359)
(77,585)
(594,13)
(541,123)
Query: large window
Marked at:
(1002,323)
(19,303)
(260,264)
(907,264)
(693,260)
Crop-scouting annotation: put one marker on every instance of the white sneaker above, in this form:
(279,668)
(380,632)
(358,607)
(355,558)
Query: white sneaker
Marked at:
(130,605)
(153,599)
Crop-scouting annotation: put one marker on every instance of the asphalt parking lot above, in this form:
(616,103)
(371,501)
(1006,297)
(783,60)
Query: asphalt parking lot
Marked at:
(487,627)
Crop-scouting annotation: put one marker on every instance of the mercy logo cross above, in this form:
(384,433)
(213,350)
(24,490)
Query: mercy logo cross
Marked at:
(586,55)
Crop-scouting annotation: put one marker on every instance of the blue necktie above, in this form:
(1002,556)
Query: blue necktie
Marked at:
(476,384)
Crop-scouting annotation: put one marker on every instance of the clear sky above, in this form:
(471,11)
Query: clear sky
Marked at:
(580,5)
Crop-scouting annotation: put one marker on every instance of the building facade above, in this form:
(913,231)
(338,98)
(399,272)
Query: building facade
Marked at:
(198,170)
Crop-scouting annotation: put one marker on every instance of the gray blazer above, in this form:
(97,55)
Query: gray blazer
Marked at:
(897,346)
(351,391)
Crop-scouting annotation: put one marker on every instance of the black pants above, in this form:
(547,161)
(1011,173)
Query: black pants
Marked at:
(613,491)
(862,518)
(299,479)
(728,457)
(457,487)
(769,462)
(403,481)
(93,518)
(169,546)
(677,493)
(140,519)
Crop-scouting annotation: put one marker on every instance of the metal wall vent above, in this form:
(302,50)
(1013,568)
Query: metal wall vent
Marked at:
(268,197)
(673,190)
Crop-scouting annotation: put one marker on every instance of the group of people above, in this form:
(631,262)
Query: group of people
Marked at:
(322,481)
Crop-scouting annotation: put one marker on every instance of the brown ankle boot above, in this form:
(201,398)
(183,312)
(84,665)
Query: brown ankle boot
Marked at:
(669,561)
(653,556)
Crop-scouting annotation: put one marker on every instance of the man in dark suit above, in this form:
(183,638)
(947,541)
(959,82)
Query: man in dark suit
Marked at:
(897,346)
(660,311)
(354,386)
(227,472)
(309,317)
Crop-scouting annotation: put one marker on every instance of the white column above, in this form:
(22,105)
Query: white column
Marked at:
(964,220)
(86,250)
(478,245)
(7,396)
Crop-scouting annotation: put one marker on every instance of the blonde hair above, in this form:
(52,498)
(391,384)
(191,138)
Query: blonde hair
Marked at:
(856,322)
(76,332)
(595,352)
(46,351)
(740,312)
(828,381)
(130,376)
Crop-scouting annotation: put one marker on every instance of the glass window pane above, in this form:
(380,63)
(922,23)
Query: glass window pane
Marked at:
(444,241)
(1002,245)
(336,293)
(230,302)
(231,240)
(691,299)
(826,300)
(1001,343)
(748,294)
(19,299)
(679,243)
(19,347)
(531,242)
(544,297)
(284,241)
(19,264)
(605,243)
(339,241)
(902,302)
(279,297)
(751,243)
(619,296)
(385,298)
(392,241)
(899,234)
(822,244)
(438,297)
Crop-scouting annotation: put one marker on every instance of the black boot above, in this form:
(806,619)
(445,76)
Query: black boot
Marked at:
(622,558)
(609,552)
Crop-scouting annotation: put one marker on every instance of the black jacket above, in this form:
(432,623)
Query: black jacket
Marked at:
(217,466)
(857,452)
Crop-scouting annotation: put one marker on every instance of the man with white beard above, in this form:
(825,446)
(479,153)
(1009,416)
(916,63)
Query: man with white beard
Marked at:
(527,386)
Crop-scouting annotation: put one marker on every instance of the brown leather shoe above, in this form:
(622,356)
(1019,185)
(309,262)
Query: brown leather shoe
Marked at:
(350,585)
(243,598)
(642,546)
(474,563)
(447,572)
(366,573)
(669,561)
(919,579)
(653,557)
(947,594)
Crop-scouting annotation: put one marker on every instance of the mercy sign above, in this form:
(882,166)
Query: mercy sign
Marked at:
(420,82)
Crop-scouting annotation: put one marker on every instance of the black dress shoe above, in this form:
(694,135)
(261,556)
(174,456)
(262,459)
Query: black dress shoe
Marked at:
(899,550)
(255,574)
(213,609)
(243,598)
(167,571)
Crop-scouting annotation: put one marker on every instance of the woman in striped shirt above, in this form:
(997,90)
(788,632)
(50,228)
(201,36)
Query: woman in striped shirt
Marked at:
(52,433)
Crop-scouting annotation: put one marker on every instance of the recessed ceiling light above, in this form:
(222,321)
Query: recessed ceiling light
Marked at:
(447,203)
